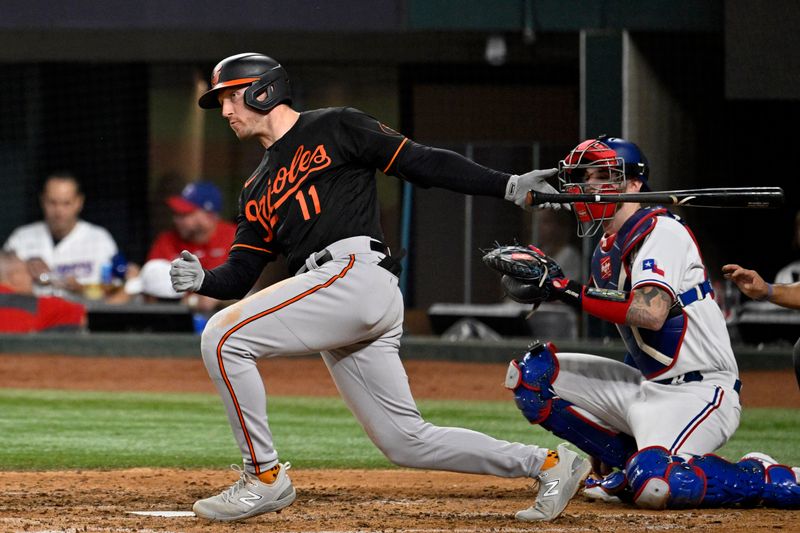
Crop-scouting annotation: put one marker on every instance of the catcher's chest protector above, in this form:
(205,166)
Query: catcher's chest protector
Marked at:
(606,264)
(611,270)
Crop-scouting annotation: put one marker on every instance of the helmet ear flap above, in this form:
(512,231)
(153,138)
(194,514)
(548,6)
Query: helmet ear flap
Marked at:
(275,84)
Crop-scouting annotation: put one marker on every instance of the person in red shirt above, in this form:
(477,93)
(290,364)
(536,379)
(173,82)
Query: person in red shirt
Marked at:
(23,312)
(198,227)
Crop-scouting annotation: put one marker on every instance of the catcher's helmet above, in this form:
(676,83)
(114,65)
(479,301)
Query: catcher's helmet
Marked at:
(263,75)
(634,163)
(619,158)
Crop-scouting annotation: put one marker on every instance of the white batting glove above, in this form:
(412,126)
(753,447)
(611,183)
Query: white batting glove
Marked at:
(186,273)
(518,186)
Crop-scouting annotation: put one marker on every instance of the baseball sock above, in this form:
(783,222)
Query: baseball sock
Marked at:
(551,460)
(269,476)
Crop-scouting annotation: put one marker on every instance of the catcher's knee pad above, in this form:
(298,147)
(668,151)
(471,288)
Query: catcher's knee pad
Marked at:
(531,380)
(730,483)
(660,480)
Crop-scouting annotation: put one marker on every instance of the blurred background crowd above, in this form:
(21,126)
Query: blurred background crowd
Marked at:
(104,150)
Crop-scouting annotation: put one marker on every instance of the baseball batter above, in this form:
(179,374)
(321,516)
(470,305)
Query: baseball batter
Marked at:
(313,199)
(676,398)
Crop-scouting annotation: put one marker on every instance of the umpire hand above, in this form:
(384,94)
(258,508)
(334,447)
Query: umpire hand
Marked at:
(518,186)
(186,273)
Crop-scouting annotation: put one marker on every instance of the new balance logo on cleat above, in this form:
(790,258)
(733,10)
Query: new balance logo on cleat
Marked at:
(551,487)
(557,486)
(251,499)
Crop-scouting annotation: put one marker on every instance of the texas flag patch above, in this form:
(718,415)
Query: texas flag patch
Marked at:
(650,264)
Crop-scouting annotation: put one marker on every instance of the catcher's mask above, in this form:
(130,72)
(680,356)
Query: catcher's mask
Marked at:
(263,74)
(607,161)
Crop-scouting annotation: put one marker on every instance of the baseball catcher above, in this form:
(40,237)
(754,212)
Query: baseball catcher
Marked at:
(658,416)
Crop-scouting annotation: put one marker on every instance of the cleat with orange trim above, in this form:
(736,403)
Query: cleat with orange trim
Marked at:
(248,497)
(557,486)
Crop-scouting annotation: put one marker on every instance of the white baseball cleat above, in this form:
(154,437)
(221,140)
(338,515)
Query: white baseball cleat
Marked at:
(763,458)
(249,496)
(557,486)
(597,493)
(768,460)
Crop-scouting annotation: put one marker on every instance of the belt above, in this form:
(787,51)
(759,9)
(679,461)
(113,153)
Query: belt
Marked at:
(320,258)
(693,376)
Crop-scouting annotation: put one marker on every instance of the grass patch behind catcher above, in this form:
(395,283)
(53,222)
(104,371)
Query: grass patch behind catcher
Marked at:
(72,430)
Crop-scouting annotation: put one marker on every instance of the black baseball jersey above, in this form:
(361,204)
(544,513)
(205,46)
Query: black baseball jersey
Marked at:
(316,185)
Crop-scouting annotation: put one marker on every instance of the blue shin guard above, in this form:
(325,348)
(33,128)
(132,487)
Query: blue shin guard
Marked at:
(660,480)
(780,488)
(531,379)
(730,483)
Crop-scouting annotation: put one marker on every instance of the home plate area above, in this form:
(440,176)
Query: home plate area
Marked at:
(415,501)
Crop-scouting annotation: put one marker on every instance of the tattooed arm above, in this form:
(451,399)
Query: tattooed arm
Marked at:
(649,308)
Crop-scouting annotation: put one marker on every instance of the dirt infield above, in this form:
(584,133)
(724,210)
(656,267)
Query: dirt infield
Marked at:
(335,501)
(328,500)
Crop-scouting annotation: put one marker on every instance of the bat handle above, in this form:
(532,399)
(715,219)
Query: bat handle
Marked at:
(538,198)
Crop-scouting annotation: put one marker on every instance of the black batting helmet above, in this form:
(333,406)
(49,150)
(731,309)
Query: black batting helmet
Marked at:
(263,75)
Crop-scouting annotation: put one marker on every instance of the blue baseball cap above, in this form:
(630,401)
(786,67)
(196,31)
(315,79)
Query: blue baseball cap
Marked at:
(198,195)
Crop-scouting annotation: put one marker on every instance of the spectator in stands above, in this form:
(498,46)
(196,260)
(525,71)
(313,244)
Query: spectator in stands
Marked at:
(23,312)
(65,255)
(197,227)
(153,284)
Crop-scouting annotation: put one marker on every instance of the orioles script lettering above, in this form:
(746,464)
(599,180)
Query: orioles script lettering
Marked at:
(285,183)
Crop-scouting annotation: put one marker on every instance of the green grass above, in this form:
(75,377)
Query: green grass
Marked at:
(64,429)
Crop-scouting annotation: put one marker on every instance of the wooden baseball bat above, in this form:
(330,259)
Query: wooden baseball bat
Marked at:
(747,197)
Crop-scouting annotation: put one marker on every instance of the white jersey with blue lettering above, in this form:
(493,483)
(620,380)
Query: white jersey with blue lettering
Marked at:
(82,253)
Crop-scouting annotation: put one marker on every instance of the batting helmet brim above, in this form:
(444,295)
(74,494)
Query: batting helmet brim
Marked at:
(210,99)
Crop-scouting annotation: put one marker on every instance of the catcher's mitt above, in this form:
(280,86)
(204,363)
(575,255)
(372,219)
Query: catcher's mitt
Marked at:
(527,272)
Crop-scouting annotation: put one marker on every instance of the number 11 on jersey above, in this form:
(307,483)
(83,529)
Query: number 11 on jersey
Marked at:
(301,199)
